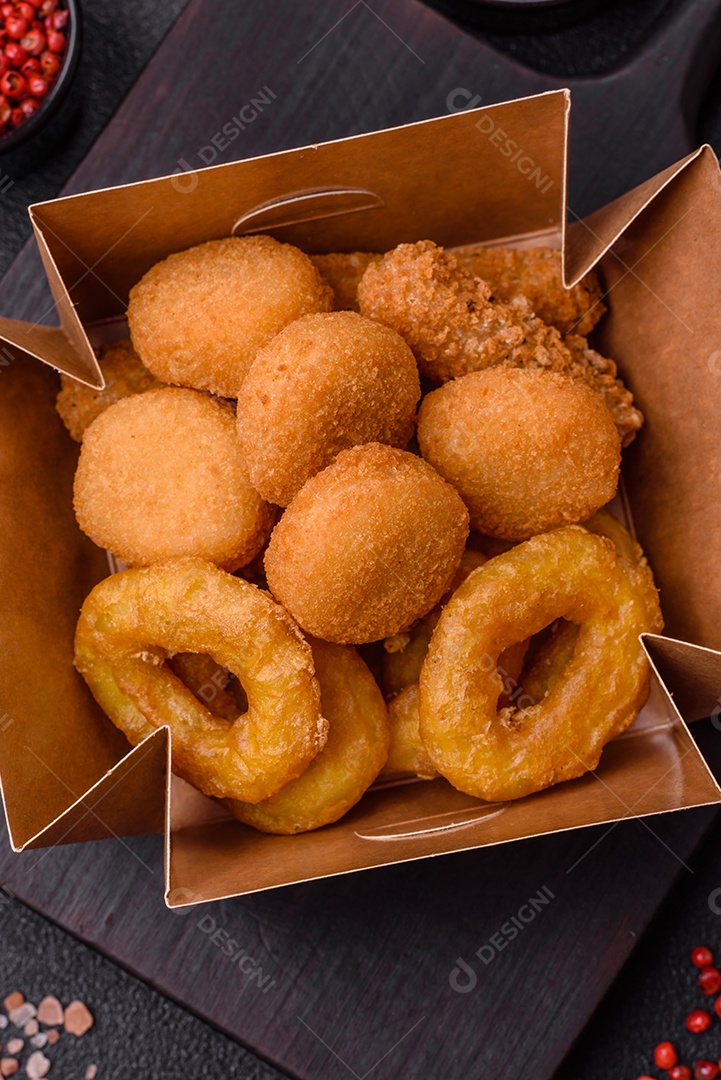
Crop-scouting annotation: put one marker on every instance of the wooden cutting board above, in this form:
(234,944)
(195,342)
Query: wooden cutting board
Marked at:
(357,971)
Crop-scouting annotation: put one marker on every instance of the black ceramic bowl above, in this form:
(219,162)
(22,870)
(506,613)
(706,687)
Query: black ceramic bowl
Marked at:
(23,147)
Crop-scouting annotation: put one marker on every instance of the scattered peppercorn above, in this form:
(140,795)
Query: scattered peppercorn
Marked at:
(665,1055)
(698,1020)
(705,1070)
(709,980)
(32,47)
(680,1072)
(701,957)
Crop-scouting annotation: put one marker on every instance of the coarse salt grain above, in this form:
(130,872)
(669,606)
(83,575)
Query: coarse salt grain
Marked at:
(53,1036)
(78,1018)
(37,1065)
(14,1046)
(22,1014)
(91,1072)
(3,1020)
(31,1028)
(50,1011)
(39,1040)
(8,1066)
(14,1000)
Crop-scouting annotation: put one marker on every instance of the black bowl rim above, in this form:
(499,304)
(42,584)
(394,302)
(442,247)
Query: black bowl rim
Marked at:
(52,102)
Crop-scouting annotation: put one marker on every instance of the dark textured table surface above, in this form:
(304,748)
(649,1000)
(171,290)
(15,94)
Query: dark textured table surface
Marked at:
(138,1032)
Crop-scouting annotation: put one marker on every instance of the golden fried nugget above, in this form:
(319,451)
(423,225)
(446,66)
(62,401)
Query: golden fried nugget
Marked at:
(198,317)
(536,274)
(325,383)
(454,326)
(367,546)
(161,475)
(356,750)
(343,271)
(568,574)
(528,450)
(124,374)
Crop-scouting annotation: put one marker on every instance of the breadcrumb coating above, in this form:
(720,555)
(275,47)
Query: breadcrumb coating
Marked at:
(161,475)
(527,450)
(325,383)
(536,274)
(367,546)
(343,272)
(78,405)
(454,326)
(199,317)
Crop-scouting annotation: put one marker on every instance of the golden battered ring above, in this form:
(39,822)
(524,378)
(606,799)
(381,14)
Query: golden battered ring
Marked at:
(135,620)
(506,754)
(354,754)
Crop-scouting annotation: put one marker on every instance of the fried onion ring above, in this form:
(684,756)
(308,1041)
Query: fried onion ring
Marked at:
(354,754)
(135,620)
(502,755)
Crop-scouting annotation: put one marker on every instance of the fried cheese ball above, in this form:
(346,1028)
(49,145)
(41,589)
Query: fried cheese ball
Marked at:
(78,405)
(325,383)
(161,475)
(343,271)
(536,273)
(367,546)
(454,325)
(198,317)
(528,450)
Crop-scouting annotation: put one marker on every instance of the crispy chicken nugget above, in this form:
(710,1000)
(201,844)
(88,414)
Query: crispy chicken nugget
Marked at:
(161,475)
(367,546)
(198,317)
(528,450)
(78,405)
(536,274)
(454,326)
(343,272)
(325,383)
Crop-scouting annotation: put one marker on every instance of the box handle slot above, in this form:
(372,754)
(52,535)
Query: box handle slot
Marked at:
(306,206)
(426,826)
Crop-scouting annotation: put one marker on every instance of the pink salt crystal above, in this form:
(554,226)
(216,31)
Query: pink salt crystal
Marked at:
(78,1018)
(31,1028)
(39,1040)
(12,1001)
(50,1011)
(53,1036)
(91,1072)
(22,1014)
(37,1065)
(8,1066)
(14,1046)
(3,1020)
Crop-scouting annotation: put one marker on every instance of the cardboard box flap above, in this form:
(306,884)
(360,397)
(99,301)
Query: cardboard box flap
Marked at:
(588,239)
(510,178)
(78,358)
(130,800)
(653,768)
(47,343)
(692,675)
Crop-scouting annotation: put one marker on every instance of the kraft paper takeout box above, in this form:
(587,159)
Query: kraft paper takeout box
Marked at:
(476,176)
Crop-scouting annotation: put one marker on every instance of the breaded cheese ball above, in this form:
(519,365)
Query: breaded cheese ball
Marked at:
(367,546)
(325,383)
(198,317)
(161,475)
(528,450)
